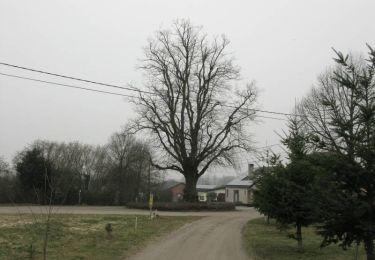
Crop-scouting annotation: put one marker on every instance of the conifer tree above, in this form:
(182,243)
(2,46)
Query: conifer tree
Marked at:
(340,114)
(284,193)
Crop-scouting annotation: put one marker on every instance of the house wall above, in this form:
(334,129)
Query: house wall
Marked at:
(178,192)
(202,195)
(219,191)
(244,195)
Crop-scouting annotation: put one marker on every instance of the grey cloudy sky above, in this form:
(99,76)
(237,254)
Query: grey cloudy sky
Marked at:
(283,45)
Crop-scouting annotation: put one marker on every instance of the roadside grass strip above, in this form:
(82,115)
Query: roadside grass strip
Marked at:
(267,241)
(81,236)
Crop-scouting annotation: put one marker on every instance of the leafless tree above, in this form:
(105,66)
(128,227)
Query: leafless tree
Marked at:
(7,181)
(331,114)
(130,161)
(192,104)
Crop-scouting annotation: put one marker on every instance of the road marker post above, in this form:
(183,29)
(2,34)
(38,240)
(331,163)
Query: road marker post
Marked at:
(150,203)
(136,224)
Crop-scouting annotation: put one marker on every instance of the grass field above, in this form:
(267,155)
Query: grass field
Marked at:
(80,236)
(265,241)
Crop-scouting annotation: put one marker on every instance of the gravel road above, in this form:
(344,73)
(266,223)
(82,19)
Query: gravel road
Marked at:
(216,237)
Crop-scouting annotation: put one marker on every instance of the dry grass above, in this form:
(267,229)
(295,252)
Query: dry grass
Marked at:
(80,236)
(265,241)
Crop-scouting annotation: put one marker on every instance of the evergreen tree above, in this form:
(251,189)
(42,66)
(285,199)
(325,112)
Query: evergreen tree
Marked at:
(284,193)
(340,113)
(34,174)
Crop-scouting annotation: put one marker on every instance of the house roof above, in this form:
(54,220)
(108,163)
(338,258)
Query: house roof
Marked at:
(221,187)
(243,181)
(205,187)
(169,184)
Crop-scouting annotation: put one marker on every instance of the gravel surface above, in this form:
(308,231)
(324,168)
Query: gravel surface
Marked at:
(216,237)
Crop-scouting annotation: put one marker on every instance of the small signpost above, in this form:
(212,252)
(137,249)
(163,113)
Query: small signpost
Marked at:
(136,224)
(150,203)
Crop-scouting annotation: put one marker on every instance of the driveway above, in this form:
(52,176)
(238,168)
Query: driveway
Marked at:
(215,237)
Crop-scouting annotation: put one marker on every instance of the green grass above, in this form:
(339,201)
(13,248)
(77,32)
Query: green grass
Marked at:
(80,236)
(266,241)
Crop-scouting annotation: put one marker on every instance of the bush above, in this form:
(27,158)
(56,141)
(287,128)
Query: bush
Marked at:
(211,196)
(244,204)
(221,197)
(99,197)
(184,206)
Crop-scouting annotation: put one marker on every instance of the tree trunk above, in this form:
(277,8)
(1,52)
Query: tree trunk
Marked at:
(369,247)
(190,191)
(299,237)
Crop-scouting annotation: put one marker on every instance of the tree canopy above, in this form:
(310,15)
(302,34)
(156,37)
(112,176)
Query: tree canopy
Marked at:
(192,105)
(339,114)
(284,192)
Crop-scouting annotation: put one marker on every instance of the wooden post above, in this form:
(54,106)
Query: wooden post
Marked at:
(150,202)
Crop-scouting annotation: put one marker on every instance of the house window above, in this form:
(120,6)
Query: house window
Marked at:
(201,198)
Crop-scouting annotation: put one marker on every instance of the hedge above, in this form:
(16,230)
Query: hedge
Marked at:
(184,206)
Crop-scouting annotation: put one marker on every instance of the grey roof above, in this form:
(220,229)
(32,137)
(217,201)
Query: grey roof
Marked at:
(169,184)
(205,187)
(241,181)
(221,187)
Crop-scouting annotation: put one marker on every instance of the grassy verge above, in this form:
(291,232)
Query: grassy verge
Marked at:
(81,236)
(265,241)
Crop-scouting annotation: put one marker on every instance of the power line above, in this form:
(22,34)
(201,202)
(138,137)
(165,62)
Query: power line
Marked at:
(99,91)
(67,85)
(275,118)
(129,88)
(75,78)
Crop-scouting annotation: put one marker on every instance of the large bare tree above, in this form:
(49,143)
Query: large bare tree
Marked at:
(192,103)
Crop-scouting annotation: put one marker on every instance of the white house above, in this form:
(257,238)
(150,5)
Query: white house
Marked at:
(239,190)
(203,190)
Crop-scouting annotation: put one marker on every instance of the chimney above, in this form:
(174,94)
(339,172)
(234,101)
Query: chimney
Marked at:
(250,170)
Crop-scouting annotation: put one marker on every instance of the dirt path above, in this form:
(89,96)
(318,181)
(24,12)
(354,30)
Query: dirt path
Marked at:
(211,238)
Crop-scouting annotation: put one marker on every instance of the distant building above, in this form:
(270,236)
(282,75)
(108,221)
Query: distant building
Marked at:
(171,191)
(239,190)
(203,190)
(220,193)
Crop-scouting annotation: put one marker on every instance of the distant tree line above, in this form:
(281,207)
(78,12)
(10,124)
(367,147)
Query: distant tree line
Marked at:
(329,180)
(75,173)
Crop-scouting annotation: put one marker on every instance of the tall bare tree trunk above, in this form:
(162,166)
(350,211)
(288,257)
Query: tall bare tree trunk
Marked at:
(190,192)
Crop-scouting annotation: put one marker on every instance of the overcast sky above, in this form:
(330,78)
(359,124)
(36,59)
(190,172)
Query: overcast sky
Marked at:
(282,45)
